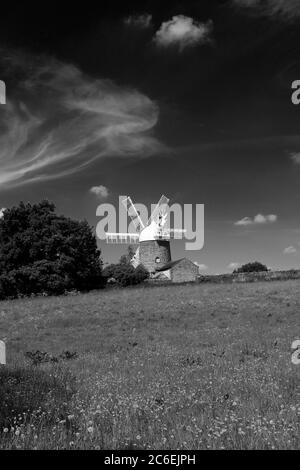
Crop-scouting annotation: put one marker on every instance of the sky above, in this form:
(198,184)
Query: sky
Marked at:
(191,99)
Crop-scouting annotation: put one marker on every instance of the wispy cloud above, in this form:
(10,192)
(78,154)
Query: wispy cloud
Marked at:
(258,219)
(139,21)
(286,9)
(100,191)
(183,31)
(295,157)
(290,250)
(60,120)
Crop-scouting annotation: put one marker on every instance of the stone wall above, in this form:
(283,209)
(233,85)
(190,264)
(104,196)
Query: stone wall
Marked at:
(251,277)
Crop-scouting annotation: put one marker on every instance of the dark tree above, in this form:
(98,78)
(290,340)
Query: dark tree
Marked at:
(255,267)
(41,252)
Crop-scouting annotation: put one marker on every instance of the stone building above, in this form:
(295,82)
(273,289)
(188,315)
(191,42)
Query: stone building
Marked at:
(181,270)
(154,254)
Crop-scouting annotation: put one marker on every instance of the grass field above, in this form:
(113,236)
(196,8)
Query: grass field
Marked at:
(175,367)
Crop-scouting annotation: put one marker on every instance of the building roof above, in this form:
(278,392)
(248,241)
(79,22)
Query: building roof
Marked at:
(171,264)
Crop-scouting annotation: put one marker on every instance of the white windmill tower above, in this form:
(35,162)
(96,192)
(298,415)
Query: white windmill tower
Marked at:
(153,239)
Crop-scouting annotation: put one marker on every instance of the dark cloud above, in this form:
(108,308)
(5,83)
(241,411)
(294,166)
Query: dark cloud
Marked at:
(138,21)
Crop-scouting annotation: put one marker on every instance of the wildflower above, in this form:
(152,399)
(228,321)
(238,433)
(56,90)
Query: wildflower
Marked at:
(17,433)
(90,429)
(5,430)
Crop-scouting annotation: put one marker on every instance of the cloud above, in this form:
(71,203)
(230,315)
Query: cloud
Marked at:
(286,9)
(2,212)
(295,157)
(233,265)
(244,221)
(60,120)
(100,191)
(139,21)
(201,267)
(290,250)
(183,31)
(258,219)
(264,219)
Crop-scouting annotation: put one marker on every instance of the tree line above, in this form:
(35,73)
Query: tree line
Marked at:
(42,253)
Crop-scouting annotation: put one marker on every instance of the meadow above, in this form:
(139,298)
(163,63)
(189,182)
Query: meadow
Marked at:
(176,367)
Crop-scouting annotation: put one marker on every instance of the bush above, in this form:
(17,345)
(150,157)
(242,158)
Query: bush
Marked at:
(41,252)
(141,274)
(251,268)
(125,274)
(108,271)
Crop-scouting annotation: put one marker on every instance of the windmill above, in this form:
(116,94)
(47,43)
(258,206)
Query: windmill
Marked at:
(153,239)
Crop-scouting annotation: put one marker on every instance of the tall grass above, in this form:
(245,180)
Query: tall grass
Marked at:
(191,367)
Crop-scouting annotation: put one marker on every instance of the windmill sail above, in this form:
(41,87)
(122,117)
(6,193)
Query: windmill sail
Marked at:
(159,215)
(133,213)
(173,233)
(135,260)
